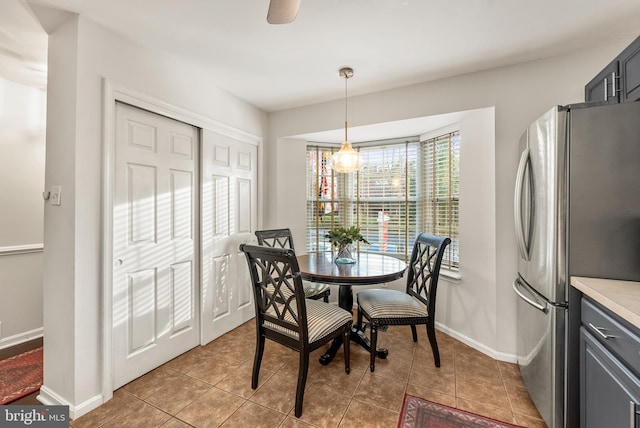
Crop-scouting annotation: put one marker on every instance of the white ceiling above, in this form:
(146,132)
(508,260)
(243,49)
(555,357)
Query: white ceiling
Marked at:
(23,46)
(389,43)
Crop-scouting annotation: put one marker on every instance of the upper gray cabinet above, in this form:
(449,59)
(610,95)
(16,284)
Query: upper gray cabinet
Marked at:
(604,87)
(630,72)
(619,81)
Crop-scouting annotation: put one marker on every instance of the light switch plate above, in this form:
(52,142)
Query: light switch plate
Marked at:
(56,195)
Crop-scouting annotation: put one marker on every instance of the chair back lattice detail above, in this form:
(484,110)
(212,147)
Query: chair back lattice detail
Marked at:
(424,266)
(282,238)
(278,292)
(276,238)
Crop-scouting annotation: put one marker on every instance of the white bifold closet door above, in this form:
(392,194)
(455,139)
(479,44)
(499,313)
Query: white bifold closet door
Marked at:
(155,242)
(229,218)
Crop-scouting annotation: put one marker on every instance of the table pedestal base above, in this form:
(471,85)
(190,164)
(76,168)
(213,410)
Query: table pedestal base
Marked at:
(345,301)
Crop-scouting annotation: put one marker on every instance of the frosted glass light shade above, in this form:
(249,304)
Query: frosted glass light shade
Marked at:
(347,159)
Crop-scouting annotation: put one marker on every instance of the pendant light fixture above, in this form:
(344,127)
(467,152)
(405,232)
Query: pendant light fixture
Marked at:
(347,159)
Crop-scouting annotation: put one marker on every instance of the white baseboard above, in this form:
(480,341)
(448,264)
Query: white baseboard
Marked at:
(50,398)
(17,339)
(500,356)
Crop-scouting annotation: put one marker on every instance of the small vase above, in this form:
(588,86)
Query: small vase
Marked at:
(344,256)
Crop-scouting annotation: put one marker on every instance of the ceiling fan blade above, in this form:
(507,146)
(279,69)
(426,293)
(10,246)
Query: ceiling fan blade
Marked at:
(282,11)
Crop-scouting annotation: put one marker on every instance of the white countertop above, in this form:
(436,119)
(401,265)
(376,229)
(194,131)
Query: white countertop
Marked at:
(620,297)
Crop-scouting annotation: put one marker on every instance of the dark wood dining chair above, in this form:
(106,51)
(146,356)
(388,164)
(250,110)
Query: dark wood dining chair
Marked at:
(282,238)
(416,305)
(285,316)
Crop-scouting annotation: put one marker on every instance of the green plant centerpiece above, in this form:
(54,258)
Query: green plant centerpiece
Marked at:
(342,238)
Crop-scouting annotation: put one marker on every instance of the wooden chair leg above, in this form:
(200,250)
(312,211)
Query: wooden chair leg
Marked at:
(257,360)
(346,343)
(374,345)
(359,319)
(431,332)
(326,297)
(302,380)
(414,332)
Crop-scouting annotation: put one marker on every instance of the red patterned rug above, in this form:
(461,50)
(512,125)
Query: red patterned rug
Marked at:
(20,375)
(419,413)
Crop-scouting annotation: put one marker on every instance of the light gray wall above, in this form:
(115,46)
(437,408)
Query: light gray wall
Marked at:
(518,94)
(81,55)
(22,153)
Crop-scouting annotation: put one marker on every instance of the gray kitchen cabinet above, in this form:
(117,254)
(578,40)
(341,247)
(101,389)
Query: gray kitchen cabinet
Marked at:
(619,81)
(629,63)
(609,366)
(601,88)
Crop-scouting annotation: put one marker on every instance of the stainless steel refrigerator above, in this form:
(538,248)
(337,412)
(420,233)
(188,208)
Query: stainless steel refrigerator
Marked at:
(577,213)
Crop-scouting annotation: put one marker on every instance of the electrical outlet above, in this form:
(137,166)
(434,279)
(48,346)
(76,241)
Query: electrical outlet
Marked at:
(56,195)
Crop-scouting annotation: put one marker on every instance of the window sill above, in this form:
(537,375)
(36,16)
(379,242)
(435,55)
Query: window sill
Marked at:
(450,275)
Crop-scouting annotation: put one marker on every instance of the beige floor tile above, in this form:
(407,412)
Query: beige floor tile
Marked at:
(183,391)
(235,346)
(470,375)
(394,366)
(174,423)
(359,358)
(211,409)
(476,361)
(361,415)
(213,369)
(333,376)
(423,361)
(255,416)
(143,416)
(187,361)
(439,379)
(293,422)
(510,373)
(498,413)
(381,391)
(431,395)
(323,407)
(529,422)
(275,356)
(277,393)
(521,401)
(152,382)
(425,356)
(484,393)
(121,403)
(210,386)
(238,382)
(292,362)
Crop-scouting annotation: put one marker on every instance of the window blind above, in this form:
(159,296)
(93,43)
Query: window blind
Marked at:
(386,197)
(440,198)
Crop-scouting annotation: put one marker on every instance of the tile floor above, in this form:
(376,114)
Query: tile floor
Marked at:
(210,386)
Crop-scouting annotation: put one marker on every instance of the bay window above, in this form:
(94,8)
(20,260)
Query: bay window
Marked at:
(406,187)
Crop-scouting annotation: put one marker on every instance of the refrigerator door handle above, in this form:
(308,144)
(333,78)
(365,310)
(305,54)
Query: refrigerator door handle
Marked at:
(517,205)
(517,285)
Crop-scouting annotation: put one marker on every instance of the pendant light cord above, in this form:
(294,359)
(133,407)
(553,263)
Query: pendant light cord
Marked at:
(346,110)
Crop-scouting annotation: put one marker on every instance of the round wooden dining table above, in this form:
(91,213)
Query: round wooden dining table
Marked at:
(369,268)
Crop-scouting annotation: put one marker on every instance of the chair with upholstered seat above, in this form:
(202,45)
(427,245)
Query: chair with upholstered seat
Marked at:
(282,238)
(285,316)
(416,305)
